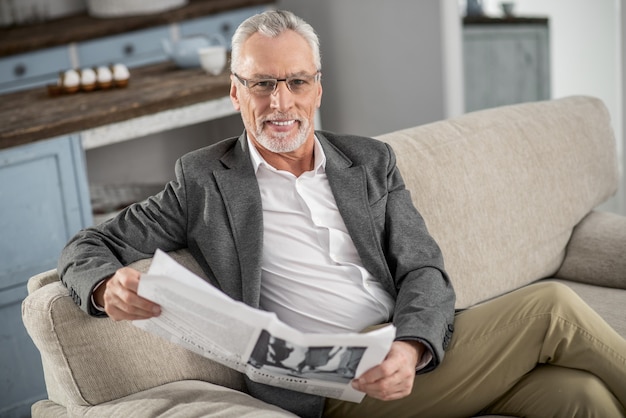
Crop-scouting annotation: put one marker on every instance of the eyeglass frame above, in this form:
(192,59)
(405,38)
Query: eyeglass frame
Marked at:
(246,81)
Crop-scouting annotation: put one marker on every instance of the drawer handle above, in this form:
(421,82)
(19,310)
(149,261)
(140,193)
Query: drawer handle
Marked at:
(19,70)
(225,27)
(129,49)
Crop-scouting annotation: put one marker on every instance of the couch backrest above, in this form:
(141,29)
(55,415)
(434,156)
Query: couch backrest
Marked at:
(502,189)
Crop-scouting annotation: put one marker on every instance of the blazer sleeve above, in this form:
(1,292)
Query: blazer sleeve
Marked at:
(96,253)
(425,297)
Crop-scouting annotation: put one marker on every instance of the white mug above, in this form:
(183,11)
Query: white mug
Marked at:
(213,58)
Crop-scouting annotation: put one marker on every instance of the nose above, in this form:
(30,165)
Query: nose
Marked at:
(281,97)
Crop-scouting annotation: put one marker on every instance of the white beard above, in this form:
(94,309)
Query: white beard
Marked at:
(280,143)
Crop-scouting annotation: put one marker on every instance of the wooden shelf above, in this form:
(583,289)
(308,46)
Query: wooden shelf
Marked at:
(512,20)
(32,115)
(25,38)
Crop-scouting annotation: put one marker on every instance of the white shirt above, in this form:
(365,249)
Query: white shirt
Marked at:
(312,276)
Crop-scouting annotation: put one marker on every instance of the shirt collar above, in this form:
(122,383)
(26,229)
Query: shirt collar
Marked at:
(318,152)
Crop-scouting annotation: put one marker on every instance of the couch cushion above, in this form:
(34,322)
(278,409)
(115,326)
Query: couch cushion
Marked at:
(184,399)
(502,189)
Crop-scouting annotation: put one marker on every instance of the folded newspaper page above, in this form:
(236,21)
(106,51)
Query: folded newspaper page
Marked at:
(199,317)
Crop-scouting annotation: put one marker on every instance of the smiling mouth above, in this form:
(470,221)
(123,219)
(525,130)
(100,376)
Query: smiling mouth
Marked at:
(282,122)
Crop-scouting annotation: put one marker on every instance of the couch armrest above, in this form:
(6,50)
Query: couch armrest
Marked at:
(42,279)
(596,252)
(88,361)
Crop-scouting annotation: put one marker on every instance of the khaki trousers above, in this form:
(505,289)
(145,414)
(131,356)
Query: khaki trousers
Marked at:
(540,351)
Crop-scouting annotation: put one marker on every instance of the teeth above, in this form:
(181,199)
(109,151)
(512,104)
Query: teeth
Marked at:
(282,123)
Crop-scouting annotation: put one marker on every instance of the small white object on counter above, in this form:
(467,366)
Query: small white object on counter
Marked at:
(70,80)
(120,74)
(87,79)
(104,76)
(213,59)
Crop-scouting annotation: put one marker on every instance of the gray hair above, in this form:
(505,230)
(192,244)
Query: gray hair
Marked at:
(271,24)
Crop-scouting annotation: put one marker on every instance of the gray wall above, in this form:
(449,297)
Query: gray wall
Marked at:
(382,62)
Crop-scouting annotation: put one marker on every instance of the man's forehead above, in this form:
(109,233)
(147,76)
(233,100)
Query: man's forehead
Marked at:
(288,53)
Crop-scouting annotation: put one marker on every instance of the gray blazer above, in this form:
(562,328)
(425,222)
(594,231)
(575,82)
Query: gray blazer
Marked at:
(213,208)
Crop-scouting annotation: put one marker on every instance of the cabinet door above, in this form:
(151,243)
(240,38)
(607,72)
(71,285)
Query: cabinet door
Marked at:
(505,65)
(44,200)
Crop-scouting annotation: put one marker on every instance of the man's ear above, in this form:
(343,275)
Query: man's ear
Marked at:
(319,95)
(233,93)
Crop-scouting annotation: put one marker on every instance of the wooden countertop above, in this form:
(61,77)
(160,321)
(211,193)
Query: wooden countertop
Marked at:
(25,38)
(33,115)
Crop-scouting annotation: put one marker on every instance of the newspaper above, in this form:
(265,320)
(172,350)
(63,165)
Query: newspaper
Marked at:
(199,317)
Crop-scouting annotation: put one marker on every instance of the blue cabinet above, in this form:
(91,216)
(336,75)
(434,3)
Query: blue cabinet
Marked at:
(23,71)
(133,49)
(506,63)
(44,201)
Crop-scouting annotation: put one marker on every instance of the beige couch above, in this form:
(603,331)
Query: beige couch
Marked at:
(509,194)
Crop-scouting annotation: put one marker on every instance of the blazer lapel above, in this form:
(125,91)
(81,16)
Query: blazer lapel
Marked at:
(240,192)
(349,186)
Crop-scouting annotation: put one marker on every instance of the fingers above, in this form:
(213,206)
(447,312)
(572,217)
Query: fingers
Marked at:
(121,301)
(393,378)
(386,384)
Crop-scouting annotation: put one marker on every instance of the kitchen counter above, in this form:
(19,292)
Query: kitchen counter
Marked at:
(33,115)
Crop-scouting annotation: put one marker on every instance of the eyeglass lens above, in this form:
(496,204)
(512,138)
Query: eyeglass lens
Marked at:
(296,84)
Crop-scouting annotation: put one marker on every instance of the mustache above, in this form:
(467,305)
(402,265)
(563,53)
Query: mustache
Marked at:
(279,116)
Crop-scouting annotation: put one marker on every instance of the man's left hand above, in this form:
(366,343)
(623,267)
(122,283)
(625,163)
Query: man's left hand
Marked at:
(393,378)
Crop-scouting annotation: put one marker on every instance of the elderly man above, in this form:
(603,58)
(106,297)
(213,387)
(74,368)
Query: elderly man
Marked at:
(319,228)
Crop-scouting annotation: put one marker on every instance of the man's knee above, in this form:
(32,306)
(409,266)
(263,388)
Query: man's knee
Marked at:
(555,291)
(559,392)
(585,395)
(558,297)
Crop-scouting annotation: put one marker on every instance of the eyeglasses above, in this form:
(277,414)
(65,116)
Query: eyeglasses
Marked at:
(297,84)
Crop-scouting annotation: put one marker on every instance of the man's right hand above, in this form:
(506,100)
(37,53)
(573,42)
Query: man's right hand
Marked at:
(118,296)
